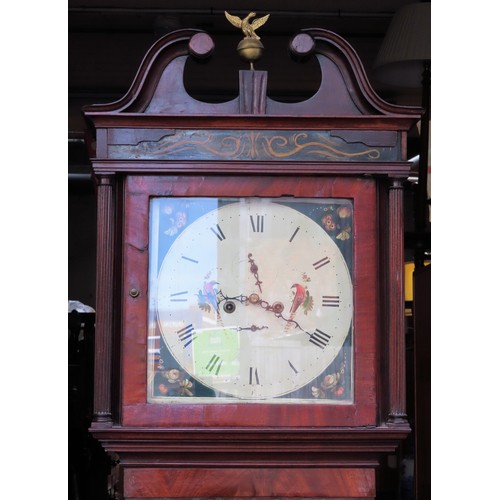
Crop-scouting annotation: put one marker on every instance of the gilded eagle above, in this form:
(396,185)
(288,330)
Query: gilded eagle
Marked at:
(245,25)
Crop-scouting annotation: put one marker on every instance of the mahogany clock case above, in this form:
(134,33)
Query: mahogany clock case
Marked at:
(135,407)
(342,143)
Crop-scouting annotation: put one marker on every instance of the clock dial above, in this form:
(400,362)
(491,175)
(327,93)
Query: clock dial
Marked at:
(253,299)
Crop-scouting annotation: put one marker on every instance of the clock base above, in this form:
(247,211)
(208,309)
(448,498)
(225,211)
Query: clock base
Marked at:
(163,464)
(247,483)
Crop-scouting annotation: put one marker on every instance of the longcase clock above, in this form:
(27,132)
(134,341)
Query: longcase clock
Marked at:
(250,311)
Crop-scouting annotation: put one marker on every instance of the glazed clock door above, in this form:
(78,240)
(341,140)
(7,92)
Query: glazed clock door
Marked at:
(251,297)
(249,301)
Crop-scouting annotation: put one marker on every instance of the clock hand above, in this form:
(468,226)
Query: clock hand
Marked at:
(254,269)
(252,328)
(276,308)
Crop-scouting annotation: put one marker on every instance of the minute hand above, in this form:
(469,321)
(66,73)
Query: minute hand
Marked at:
(318,338)
(277,309)
(254,269)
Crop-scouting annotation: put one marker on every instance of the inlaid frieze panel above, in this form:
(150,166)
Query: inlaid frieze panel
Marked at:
(256,145)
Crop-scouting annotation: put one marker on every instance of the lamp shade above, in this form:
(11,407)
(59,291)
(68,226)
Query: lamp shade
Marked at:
(406,46)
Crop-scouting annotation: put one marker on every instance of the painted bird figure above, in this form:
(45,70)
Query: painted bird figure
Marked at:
(300,295)
(245,25)
(210,294)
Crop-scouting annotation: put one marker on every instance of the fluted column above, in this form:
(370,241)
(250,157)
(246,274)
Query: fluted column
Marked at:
(397,379)
(104,300)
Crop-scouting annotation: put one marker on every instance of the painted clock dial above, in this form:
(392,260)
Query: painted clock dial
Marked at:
(252,297)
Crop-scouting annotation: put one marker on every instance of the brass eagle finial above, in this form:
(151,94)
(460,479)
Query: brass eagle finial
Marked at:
(244,24)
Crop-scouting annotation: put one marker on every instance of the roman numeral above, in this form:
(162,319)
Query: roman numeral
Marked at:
(186,335)
(292,367)
(178,297)
(218,232)
(320,263)
(257,223)
(294,234)
(253,376)
(319,339)
(331,301)
(215,362)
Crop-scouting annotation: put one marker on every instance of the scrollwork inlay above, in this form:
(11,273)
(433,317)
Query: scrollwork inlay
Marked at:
(249,145)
